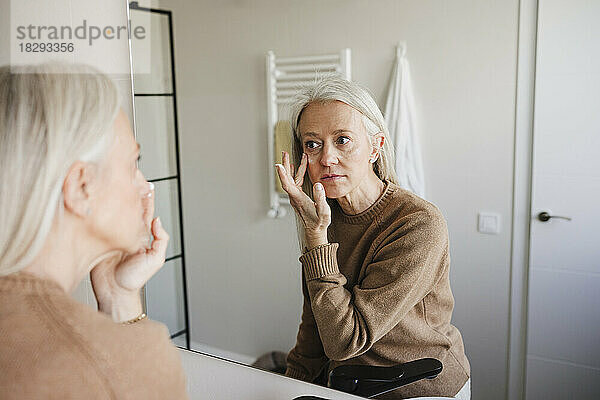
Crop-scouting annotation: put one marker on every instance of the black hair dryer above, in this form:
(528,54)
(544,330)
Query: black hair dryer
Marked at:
(369,381)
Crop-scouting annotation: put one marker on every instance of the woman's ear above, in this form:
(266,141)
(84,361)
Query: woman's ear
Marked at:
(76,188)
(376,144)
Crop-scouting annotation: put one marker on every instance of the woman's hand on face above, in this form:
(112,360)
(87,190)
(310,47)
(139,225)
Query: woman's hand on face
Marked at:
(117,280)
(316,215)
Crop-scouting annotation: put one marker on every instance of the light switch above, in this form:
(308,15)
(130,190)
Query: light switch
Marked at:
(489,223)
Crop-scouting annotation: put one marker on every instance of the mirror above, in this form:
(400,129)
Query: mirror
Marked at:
(233,284)
(242,271)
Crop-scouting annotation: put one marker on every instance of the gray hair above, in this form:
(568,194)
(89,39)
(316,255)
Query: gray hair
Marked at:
(51,115)
(332,87)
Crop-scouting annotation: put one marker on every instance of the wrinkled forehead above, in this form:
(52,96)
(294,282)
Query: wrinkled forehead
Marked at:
(328,117)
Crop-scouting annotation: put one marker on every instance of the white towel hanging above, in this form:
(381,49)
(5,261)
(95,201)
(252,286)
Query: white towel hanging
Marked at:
(400,119)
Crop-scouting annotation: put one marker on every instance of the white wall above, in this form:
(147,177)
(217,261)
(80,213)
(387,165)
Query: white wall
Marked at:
(244,277)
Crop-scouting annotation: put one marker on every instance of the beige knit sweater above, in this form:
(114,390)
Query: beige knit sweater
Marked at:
(52,347)
(379,294)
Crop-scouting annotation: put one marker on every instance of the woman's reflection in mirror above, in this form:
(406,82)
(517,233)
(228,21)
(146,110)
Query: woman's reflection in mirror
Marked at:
(376,257)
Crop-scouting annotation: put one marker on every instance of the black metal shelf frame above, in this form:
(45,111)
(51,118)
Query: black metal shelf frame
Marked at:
(166,178)
(135,6)
(153,94)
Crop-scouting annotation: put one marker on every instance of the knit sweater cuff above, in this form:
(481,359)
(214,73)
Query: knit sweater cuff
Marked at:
(320,262)
(296,374)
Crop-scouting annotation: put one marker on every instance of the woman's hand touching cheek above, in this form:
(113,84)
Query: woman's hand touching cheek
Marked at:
(118,278)
(316,216)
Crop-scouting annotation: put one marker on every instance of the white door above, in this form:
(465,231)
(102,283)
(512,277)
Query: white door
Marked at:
(563,340)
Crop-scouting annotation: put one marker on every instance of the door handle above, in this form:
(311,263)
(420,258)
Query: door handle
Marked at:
(544,217)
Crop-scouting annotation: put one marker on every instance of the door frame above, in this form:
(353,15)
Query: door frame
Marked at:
(522,190)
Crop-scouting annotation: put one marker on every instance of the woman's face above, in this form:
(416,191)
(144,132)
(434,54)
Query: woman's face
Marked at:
(338,147)
(118,210)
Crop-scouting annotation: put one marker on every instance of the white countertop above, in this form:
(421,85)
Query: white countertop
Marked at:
(212,378)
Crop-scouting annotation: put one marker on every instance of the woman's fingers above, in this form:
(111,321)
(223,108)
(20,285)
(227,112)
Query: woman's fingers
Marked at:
(157,253)
(138,268)
(161,240)
(323,210)
(315,214)
(148,205)
(286,180)
(299,179)
(298,199)
(285,159)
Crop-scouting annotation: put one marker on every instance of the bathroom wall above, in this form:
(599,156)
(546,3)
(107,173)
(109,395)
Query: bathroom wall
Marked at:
(244,277)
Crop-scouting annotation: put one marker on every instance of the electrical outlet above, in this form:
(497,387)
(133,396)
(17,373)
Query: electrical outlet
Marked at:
(489,223)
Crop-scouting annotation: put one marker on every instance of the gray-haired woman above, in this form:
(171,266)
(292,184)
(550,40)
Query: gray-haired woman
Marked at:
(72,201)
(375,262)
